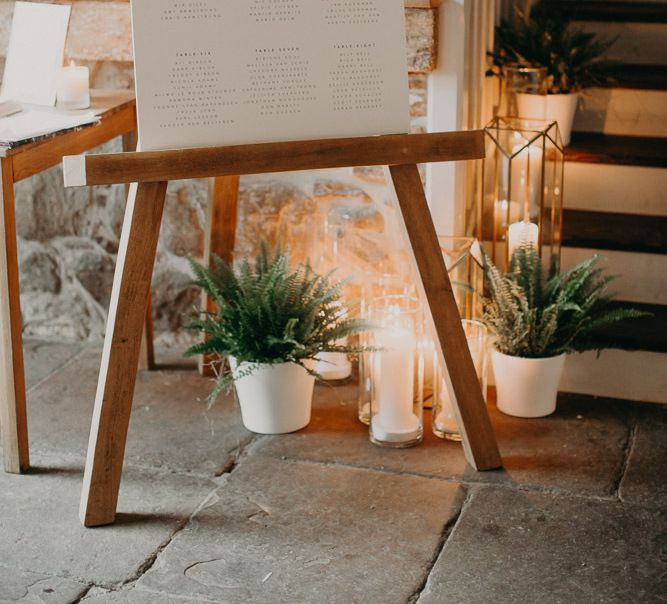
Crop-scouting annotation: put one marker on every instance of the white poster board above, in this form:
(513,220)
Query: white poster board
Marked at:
(221,72)
(35,53)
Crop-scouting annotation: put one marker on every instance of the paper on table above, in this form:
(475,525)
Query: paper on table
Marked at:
(32,123)
(35,54)
(216,72)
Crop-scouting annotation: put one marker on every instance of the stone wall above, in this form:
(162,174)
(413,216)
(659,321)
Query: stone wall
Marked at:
(68,239)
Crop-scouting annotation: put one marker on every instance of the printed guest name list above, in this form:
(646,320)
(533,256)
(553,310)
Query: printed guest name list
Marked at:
(219,72)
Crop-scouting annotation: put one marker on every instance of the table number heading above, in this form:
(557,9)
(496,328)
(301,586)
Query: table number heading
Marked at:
(217,72)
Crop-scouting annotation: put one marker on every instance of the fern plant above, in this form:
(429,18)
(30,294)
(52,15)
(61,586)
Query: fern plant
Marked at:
(538,315)
(541,38)
(268,313)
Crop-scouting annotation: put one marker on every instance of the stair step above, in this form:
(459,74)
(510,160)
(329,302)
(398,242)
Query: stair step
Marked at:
(614,188)
(638,77)
(623,112)
(635,43)
(631,375)
(594,10)
(615,231)
(644,333)
(641,278)
(594,147)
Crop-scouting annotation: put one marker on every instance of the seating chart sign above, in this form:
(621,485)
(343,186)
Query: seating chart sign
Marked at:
(222,72)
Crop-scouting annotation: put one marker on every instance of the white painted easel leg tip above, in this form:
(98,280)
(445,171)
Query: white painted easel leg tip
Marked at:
(74,170)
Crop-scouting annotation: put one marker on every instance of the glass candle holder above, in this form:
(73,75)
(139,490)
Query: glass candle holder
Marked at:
(444,423)
(396,412)
(521,80)
(375,288)
(520,199)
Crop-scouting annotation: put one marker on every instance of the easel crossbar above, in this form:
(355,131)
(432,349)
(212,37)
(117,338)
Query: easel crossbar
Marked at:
(160,166)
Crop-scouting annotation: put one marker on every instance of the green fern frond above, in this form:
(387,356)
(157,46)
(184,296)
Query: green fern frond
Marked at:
(268,313)
(533,317)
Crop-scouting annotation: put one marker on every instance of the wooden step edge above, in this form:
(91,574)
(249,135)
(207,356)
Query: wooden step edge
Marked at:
(637,77)
(597,148)
(621,12)
(615,231)
(647,334)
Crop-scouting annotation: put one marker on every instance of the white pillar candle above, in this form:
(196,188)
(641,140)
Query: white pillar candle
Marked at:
(394,419)
(505,213)
(521,233)
(74,87)
(526,175)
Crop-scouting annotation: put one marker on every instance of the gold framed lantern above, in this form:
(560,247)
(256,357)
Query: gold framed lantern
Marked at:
(522,189)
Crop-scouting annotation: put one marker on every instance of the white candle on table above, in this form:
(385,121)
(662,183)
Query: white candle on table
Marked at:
(522,233)
(394,419)
(74,87)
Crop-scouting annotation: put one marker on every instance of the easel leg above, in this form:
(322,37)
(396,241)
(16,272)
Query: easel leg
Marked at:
(147,354)
(468,404)
(120,356)
(220,236)
(13,416)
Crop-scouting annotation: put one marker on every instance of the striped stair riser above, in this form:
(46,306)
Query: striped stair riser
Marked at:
(637,43)
(614,188)
(623,111)
(642,277)
(615,231)
(636,376)
(623,11)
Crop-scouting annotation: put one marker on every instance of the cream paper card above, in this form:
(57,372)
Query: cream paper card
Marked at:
(222,72)
(35,53)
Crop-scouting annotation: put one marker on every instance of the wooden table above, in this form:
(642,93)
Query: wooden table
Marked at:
(117,112)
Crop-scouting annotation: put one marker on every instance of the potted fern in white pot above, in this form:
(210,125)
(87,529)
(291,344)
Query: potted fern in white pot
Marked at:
(536,319)
(573,60)
(271,323)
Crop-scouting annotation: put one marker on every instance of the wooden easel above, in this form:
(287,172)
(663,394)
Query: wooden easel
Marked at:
(151,171)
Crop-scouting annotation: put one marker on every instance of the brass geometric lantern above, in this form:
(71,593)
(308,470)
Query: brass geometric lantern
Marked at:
(522,189)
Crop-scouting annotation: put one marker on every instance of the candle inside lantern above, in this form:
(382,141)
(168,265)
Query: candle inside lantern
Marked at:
(74,87)
(505,213)
(526,174)
(522,233)
(394,419)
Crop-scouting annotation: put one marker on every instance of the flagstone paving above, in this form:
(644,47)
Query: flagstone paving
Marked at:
(210,513)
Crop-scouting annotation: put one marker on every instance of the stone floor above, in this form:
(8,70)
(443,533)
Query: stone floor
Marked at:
(210,513)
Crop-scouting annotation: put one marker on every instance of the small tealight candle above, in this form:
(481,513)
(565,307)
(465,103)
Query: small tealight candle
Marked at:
(74,87)
(522,233)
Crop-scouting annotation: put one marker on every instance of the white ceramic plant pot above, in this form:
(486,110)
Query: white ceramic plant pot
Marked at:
(275,399)
(552,107)
(527,387)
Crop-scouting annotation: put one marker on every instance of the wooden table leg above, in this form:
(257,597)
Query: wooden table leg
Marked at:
(147,354)
(221,219)
(13,416)
(120,356)
(468,404)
